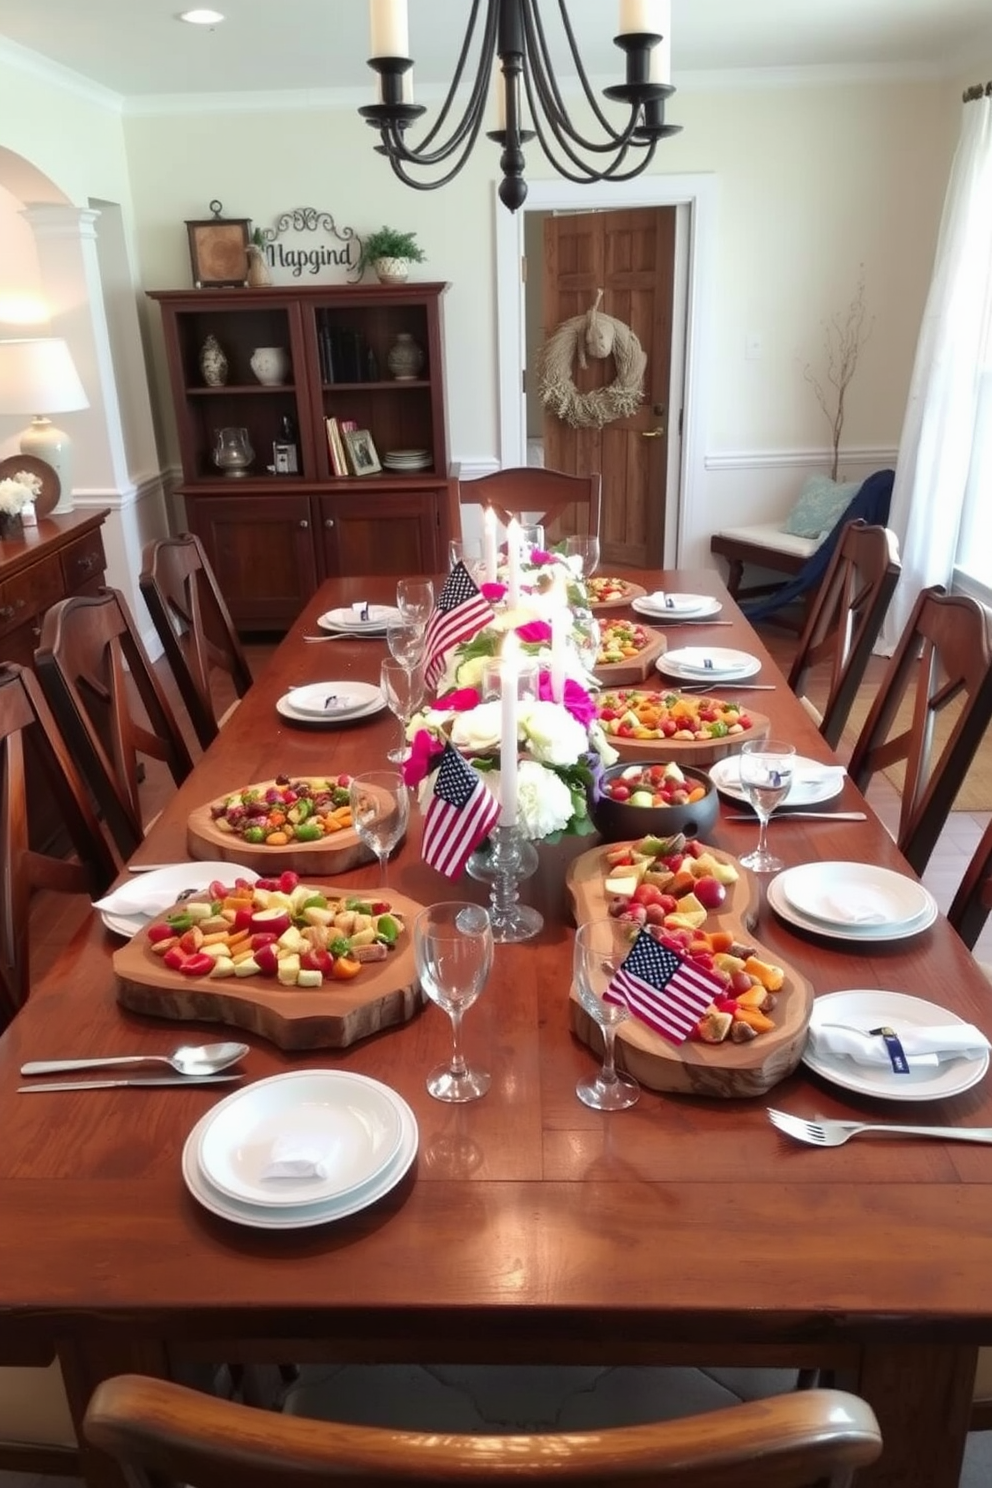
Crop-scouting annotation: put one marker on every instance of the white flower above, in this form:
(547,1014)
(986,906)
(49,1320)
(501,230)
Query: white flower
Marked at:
(14,496)
(599,739)
(544,802)
(33,482)
(553,736)
(479,729)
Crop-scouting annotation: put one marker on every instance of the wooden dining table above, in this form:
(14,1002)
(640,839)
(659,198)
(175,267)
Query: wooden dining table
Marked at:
(530,1228)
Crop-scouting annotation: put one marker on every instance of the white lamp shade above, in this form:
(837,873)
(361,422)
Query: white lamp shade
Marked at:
(38,376)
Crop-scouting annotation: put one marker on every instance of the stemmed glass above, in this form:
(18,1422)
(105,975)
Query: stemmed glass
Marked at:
(415,600)
(404,688)
(405,642)
(453,948)
(766,775)
(380,810)
(600,948)
(585,547)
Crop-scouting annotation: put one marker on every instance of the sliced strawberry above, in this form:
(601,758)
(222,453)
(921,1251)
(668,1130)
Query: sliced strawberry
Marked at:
(175,958)
(160,931)
(288,881)
(199,965)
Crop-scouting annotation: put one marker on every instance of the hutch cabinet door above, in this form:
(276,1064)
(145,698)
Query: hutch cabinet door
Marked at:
(262,551)
(380,532)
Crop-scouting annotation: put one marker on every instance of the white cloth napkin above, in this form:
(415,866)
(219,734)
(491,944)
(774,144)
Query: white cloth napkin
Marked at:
(925,1048)
(859,907)
(811,774)
(296,1156)
(138,898)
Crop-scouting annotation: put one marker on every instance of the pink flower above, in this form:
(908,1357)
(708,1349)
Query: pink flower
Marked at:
(493,592)
(460,700)
(423,751)
(535,632)
(576,700)
(539,556)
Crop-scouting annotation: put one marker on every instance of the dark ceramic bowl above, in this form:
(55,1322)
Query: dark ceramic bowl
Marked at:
(618,821)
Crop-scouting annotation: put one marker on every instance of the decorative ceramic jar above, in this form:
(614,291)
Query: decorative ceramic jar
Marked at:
(391,270)
(213,363)
(405,358)
(232,452)
(270,365)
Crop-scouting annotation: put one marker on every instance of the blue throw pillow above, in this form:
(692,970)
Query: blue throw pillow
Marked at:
(821,502)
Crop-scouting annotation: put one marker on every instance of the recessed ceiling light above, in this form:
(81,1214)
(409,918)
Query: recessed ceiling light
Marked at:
(201,17)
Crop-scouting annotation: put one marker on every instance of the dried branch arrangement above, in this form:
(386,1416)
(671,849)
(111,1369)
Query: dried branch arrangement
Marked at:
(844,336)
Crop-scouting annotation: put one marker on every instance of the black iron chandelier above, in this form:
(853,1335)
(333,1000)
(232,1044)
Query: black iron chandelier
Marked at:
(512,32)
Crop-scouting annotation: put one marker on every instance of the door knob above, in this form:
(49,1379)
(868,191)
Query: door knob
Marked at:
(653,433)
(304,523)
(328,521)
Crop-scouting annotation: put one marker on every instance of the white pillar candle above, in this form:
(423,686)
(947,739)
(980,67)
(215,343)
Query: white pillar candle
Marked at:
(513,563)
(508,732)
(641,17)
(389,28)
(560,625)
(660,62)
(490,538)
(499,93)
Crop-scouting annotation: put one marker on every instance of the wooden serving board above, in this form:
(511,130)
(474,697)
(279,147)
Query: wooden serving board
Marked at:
(329,1017)
(629,592)
(338,853)
(699,752)
(635,668)
(725,1070)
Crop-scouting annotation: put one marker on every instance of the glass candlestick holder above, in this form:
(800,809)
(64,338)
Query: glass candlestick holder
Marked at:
(511,920)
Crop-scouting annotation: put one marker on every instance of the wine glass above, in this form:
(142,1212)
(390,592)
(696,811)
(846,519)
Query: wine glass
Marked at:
(380,810)
(585,547)
(405,642)
(415,600)
(453,948)
(404,688)
(531,537)
(766,775)
(600,948)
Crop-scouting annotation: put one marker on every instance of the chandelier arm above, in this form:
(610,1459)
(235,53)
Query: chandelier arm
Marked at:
(543,96)
(479,87)
(566,140)
(583,77)
(394,147)
(398,161)
(585,171)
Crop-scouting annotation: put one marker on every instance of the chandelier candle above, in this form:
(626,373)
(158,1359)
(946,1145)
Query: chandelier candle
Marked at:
(509,701)
(513,564)
(490,545)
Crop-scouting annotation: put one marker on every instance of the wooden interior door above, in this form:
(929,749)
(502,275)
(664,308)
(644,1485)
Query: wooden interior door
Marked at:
(630,255)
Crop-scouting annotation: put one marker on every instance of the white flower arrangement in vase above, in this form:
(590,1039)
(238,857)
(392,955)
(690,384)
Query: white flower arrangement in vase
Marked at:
(17,493)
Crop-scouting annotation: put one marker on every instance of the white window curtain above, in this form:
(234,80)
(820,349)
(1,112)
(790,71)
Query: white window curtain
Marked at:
(938,445)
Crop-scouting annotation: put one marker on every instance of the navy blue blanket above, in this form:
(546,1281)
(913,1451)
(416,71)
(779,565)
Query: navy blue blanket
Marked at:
(871,503)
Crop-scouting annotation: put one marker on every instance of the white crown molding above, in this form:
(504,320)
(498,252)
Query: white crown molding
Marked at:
(33,64)
(822,75)
(783,459)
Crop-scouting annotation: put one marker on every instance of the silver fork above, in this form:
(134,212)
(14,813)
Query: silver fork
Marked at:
(344,635)
(836,1133)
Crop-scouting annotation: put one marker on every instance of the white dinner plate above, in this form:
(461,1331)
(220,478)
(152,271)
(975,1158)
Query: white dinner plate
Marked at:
(861,1009)
(285,707)
(332,699)
(347,1122)
(689,663)
(664,606)
(170,882)
(849,933)
(305,1215)
(345,621)
(861,895)
(812,781)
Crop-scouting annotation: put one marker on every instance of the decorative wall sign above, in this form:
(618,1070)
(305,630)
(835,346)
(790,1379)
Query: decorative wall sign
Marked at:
(305,244)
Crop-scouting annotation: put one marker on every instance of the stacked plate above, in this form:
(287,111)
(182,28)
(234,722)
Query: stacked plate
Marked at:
(330,703)
(407,460)
(812,781)
(359,620)
(664,606)
(708,664)
(300,1149)
(852,901)
(132,908)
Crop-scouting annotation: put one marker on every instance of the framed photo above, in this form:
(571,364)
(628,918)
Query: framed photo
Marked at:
(362,455)
(218,252)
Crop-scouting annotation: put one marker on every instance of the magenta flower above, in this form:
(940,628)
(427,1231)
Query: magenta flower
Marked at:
(539,557)
(460,700)
(493,592)
(576,700)
(535,632)
(423,752)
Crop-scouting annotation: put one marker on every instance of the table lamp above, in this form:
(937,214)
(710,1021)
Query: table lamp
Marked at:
(37,376)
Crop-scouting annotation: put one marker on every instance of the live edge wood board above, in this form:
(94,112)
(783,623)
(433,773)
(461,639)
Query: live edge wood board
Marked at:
(726,1070)
(634,668)
(329,1017)
(337,853)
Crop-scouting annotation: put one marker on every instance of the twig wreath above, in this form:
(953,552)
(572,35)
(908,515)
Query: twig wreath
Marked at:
(600,336)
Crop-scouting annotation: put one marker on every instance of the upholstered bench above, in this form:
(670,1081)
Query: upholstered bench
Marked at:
(764,546)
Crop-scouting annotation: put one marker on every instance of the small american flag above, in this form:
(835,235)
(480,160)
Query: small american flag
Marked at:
(461,611)
(461,812)
(666,991)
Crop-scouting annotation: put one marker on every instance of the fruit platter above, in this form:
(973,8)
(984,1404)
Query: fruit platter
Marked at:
(697,729)
(610,593)
(304,965)
(697,901)
(289,822)
(627,652)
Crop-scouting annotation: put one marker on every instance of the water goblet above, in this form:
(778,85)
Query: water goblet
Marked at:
(415,600)
(600,948)
(405,642)
(766,775)
(531,537)
(584,546)
(404,688)
(453,950)
(380,810)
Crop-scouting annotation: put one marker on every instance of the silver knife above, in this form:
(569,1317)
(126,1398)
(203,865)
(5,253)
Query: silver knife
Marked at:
(122,1084)
(801,812)
(725,689)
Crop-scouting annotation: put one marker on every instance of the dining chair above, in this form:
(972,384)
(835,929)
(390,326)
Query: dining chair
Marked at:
(194,625)
(844,621)
(109,705)
(973,900)
(563,504)
(939,679)
(23,868)
(163,1434)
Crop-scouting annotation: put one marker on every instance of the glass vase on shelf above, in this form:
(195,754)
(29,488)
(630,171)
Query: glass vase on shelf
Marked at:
(232,452)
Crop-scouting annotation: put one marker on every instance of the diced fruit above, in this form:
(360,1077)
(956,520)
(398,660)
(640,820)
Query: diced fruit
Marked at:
(710,892)
(275,920)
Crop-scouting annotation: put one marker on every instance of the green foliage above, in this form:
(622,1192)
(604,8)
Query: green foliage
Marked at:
(388,242)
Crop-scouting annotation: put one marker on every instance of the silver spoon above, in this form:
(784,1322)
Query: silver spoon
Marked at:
(188,1059)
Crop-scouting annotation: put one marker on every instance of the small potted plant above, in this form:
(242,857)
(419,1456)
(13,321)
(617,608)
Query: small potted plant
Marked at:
(391,253)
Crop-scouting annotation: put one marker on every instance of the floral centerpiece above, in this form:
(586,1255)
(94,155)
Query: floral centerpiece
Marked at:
(16,493)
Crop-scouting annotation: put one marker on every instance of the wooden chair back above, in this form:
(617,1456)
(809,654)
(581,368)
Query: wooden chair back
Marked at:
(565,504)
(23,869)
(970,908)
(193,624)
(943,661)
(109,705)
(163,1434)
(845,618)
